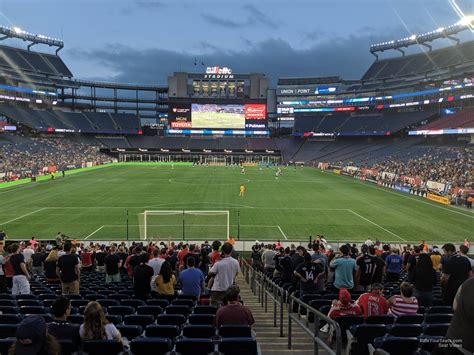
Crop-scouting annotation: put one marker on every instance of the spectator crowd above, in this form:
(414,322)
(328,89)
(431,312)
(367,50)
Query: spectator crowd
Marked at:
(206,273)
(28,156)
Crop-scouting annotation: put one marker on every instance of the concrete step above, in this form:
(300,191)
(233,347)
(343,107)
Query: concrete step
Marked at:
(268,336)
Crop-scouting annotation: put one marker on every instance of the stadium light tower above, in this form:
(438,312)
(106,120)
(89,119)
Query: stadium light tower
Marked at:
(17,32)
(466,23)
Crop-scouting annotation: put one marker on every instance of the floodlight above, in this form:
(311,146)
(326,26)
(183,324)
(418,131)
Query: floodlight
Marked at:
(413,37)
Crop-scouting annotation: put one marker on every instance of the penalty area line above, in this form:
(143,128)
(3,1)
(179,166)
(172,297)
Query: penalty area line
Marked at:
(377,225)
(22,216)
(94,232)
(282,233)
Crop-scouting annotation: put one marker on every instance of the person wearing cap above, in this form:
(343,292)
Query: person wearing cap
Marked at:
(60,327)
(373,303)
(32,338)
(456,270)
(344,306)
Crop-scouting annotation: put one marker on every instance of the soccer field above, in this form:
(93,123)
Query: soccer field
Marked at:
(93,205)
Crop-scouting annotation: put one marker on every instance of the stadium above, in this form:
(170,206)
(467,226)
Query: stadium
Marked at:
(276,169)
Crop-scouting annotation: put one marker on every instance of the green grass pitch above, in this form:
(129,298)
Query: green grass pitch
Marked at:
(93,205)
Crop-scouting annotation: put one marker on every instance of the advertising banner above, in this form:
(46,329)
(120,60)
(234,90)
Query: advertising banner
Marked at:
(436,186)
(440,199)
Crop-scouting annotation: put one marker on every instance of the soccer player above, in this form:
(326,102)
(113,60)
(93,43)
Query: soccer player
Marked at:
(242,170)
(242,190)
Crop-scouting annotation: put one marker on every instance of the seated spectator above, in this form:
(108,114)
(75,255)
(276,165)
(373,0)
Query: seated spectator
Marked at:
(404,303)
(308,274)
(32,337)
(50,264)
(142,275)
(96,326)
(344,306)
(234,312)
(191,279)
(373,303)
(166,280)
(462,324)
(60,328)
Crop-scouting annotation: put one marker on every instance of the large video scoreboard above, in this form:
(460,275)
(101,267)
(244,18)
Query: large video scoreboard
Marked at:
(217,102)
(217,119)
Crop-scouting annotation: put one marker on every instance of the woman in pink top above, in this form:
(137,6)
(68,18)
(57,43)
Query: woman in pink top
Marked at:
(405,303)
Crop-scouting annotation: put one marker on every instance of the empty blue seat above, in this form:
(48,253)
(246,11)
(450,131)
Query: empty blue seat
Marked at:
(101,347)
(132,303)
(183,302)
(364,334)
(184,310)
(199,331)
(153,310)
(238,346)
(410,319)
(440,310)
(204,310)
(194,346)
(201,319)
(380,319)
(8,330)
(32,310)
(9,310)
(171,319)
(397,345)
(121,310)
(156,302)
(130,331)
(405,330)
(162,331)
(438,318)
(114,318)
(139,319)
(10,318)
(235,331)
(436,329)
(105,302)
(28,302)
(151,346)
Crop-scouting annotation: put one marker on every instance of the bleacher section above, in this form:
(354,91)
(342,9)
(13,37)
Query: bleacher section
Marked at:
(420,64)
(85,122)
(462,119)
(23,60)
(158,325)
(370,124)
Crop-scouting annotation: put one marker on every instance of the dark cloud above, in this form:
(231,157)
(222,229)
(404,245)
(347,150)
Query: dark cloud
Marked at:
(142,5)
(253,16)
(347,57)
(222,22)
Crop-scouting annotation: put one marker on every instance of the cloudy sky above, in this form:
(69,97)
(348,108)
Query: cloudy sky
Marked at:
(144,41)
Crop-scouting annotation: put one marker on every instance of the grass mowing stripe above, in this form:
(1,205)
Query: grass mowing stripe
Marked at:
(377,225)
(23,216)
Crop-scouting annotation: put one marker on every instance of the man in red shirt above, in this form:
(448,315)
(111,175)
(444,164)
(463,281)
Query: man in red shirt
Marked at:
(216,254)
(373,303)
(181,254)
(234,312)
(344,306)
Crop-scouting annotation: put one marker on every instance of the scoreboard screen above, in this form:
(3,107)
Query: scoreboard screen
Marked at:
(217,116)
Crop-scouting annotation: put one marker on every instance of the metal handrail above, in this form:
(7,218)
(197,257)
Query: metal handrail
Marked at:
(264,287)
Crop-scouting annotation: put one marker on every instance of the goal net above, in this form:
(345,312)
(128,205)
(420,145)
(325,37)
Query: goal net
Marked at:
(184,225)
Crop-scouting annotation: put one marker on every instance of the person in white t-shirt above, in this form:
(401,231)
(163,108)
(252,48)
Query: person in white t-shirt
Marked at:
(224,273)
(27,253)
(155,263)
(93,315)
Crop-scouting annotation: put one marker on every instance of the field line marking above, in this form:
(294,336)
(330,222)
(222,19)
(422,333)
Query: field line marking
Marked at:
(22,216)
(414,198)
(94,232)
(281,231)
(377,225)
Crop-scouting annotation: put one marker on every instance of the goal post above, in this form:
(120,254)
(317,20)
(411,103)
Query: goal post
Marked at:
(184,224)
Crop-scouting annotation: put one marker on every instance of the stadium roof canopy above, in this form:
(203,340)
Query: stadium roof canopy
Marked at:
(16,32)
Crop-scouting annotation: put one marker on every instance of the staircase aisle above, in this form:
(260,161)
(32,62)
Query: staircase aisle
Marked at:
(268,337)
